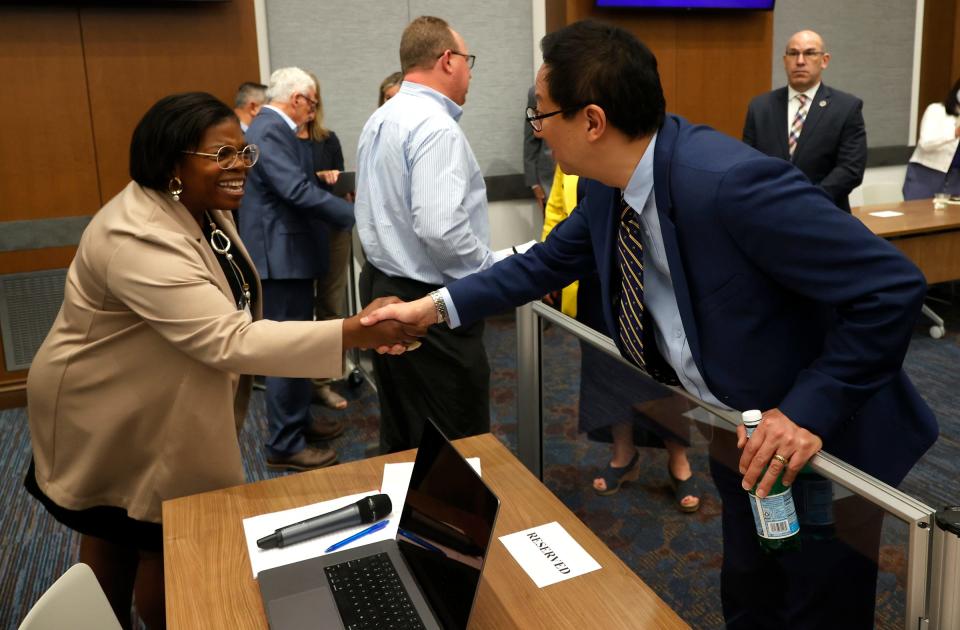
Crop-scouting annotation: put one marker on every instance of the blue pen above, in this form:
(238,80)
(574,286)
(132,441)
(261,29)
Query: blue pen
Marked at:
(376,527)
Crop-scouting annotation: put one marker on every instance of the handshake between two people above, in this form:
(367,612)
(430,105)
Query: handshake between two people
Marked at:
(389,325)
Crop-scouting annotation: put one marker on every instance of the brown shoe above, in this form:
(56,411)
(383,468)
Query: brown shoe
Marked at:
(323,429)
(308,459)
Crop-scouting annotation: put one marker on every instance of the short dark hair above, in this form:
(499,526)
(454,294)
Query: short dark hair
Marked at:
(593,63)
(951,103)
(174,124)
(250,91)
(423,41)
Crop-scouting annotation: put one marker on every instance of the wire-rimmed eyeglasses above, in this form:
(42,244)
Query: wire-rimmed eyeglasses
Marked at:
(534,117)
(806,54)
(227,156)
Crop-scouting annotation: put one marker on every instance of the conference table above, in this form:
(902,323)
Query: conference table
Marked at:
(928,236)
(210,584)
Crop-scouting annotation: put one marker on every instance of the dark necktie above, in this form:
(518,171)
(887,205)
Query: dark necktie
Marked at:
(630,259)
(631,316)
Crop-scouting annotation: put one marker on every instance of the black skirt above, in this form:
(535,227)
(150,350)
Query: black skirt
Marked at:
(107,522)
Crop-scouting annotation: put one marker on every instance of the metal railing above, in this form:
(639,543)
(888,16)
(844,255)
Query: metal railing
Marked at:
(933,550)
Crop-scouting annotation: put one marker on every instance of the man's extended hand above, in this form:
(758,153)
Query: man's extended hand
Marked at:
(393,337)
(776,435)
(420,314)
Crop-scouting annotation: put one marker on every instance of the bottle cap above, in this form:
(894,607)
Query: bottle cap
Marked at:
(751,417)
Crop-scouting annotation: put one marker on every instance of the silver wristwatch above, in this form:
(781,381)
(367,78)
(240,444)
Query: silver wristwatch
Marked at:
(438,303)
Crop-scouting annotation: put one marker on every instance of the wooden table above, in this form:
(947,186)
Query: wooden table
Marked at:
(928,237)
(209,581)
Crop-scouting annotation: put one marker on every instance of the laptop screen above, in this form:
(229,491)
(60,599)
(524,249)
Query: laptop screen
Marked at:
(446,527)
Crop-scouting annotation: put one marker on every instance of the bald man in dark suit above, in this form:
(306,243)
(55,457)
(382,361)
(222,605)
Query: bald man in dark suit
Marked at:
(818,129)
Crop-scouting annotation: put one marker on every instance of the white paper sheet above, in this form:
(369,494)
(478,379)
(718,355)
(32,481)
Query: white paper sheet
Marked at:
(396,480)
(549,554)
(886,214)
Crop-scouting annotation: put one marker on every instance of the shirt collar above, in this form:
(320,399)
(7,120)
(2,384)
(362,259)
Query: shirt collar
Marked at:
(418,89)
(641,182)
(283,115)
(792,93)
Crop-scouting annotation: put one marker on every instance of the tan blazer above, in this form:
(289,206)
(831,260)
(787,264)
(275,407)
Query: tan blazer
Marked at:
(135,395)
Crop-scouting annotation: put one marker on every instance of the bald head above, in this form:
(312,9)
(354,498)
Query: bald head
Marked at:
(804,60)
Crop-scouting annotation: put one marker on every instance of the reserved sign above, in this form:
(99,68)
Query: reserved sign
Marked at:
(549,554)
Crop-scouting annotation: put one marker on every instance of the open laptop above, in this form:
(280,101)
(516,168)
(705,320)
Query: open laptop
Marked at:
(427,577)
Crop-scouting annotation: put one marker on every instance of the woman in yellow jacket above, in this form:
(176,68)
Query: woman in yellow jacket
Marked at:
(616,404)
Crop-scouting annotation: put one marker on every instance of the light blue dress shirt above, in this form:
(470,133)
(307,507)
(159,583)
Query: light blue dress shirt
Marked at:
(659,297)
(421,202)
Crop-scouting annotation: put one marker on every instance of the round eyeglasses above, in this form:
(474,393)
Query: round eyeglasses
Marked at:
(228,156)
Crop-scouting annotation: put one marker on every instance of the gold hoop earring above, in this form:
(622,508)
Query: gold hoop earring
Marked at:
(175,187)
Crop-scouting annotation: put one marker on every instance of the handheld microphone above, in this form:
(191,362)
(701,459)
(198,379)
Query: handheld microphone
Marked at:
(366,510)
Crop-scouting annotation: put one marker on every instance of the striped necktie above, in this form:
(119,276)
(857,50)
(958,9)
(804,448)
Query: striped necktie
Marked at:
(630,258)
(797,125)
(632,317)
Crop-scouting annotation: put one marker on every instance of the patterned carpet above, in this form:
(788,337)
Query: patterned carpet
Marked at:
(678,555)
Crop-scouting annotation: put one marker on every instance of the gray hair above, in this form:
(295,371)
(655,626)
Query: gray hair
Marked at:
(286,82)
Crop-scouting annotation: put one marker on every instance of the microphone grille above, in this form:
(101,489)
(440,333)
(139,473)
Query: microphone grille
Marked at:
(374,507)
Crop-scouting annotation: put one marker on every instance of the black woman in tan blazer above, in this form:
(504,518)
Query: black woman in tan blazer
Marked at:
(140,389)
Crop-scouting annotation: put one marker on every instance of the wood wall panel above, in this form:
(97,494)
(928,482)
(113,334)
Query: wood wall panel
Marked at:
(136,55)
(47,159)
(711,63)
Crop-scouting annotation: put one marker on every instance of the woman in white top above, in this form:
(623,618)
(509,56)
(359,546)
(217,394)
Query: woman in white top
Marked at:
(935,164)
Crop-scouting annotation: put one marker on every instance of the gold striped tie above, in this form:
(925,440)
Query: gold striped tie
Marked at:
(630,258)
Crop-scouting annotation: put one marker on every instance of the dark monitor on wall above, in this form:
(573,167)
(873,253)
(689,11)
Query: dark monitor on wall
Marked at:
(765,5)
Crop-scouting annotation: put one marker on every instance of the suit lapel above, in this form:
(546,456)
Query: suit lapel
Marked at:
(667,140)
(821,100)
(780,116)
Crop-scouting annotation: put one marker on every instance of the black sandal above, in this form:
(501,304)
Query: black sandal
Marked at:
(685,488)
(614,476)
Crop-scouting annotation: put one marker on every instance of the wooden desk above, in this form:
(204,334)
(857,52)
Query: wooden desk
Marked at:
(209,581)
(928,237)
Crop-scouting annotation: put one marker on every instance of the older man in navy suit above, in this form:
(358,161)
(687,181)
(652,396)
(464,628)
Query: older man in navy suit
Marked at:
(283,220)
(728,271)
(815,127)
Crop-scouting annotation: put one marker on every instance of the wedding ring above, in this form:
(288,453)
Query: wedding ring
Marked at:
(413,345)
(780,458)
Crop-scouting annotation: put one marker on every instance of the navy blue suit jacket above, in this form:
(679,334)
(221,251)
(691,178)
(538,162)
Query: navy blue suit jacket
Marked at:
(832,149)
(785,301)
(284,213)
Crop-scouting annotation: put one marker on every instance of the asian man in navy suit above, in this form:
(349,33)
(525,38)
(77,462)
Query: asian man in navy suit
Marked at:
(283,222)
(829,143)
(756,293)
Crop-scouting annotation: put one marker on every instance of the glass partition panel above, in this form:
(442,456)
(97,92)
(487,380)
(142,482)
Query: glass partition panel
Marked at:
(861,557)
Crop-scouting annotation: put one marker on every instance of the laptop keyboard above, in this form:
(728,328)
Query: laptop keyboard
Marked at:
(370,595)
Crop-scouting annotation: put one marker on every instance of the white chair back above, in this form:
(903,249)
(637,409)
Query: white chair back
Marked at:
(75,601)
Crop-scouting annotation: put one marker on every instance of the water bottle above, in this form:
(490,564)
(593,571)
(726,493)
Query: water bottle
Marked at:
(775,515)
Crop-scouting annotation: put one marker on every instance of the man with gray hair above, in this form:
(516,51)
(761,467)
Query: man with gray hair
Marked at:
(422,219)
(282,221)
(248,101)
